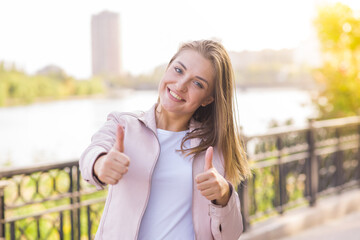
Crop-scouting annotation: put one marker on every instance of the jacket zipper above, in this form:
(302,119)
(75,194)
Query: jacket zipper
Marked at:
(148,195)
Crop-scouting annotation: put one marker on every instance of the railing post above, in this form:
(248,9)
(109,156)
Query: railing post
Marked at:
(339,160)
(71,191)
(75,212)
(244,202)
(282,177)
(243,190)
(89,223)
(3,184)
(78,201)
(312,173)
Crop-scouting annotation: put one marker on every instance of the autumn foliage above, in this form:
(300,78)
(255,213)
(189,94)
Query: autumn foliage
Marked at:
(338,29)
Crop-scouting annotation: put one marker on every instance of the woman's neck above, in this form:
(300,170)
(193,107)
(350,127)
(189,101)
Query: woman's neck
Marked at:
(171,122)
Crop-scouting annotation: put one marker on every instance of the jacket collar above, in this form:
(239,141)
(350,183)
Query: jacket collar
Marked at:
(148,118)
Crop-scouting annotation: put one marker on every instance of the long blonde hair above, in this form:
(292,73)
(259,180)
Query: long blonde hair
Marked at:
(219,126)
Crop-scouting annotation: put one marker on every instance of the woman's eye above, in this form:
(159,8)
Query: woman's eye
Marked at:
(178,70)
(198,84)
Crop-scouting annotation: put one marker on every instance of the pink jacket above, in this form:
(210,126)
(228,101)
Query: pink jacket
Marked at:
(127,200)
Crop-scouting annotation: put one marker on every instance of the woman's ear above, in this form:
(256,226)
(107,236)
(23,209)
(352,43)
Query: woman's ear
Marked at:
(207,101)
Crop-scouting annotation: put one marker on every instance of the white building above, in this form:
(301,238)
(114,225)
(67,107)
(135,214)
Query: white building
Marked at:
(105,36)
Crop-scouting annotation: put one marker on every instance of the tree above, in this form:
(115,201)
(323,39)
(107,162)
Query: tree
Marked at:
(338,31)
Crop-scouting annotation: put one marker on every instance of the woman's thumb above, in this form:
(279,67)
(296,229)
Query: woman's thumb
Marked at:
(119,144)
(208,158)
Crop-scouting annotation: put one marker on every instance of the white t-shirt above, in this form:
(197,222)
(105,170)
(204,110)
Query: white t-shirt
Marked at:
(169,211)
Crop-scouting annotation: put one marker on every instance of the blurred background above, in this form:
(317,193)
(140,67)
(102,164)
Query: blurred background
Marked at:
(64,65)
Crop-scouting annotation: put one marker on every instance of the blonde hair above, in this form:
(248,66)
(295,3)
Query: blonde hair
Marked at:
(219,126)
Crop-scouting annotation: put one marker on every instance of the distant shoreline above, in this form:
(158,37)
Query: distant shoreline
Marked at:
(120,92)
(277,85)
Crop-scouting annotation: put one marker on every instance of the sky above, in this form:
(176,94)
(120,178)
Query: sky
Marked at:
(37,33)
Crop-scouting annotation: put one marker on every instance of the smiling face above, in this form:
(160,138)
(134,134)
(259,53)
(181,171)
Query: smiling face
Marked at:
(187,84)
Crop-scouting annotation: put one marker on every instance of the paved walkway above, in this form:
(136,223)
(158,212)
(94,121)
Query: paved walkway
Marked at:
(345,228)
(332,218)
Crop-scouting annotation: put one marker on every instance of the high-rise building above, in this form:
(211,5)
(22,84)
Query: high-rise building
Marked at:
(105,44)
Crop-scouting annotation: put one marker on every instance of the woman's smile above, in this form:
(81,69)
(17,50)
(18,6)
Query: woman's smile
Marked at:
(175,96)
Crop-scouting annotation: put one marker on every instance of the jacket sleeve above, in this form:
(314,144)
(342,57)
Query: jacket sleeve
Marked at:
(226,222)
(101,143)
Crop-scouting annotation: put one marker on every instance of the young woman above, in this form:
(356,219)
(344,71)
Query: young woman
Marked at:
(172,169)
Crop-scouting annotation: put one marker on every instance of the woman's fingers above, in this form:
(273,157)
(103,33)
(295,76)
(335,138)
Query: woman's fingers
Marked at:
(113,167)
(212,185)
(204,185)
(117,159)
(110,180)
(209,189)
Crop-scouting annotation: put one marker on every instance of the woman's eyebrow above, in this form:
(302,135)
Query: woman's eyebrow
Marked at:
(181,64)
(202,79)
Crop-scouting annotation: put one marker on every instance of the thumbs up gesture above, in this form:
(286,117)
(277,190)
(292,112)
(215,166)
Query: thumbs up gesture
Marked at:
(211,184)
(110,168)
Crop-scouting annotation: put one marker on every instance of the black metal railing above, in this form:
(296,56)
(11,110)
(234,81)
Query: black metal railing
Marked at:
(291,166)
(295,166)
(48,202)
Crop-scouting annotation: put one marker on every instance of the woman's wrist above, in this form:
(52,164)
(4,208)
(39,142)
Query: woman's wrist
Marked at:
(96,166)
(225,199)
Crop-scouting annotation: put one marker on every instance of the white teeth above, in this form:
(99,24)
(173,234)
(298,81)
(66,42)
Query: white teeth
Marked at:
(175,95)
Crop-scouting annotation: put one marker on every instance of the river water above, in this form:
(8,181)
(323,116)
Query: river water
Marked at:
(61,130)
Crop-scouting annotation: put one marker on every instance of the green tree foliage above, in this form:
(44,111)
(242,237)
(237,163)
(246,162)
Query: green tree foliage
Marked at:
(16,87)
(338,30)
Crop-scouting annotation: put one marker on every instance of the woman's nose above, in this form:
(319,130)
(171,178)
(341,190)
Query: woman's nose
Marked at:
(181,84)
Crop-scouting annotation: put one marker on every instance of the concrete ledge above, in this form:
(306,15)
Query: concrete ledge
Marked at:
(299,219)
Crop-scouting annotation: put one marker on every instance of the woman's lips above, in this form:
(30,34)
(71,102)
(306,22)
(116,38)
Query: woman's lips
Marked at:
(175,96)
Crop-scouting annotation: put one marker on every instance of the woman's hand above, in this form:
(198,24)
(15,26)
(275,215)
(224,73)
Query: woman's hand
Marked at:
(110,168)
(211,184)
